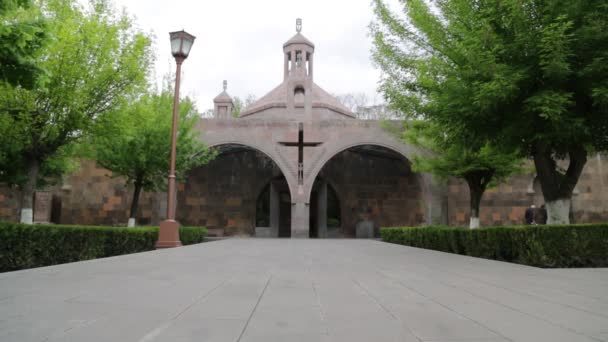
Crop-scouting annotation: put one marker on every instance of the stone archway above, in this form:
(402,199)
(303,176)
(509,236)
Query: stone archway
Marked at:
(222,195)
(273,209)
(377,187)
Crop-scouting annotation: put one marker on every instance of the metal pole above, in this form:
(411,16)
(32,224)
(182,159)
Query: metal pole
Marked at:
(168,234)
(171,196)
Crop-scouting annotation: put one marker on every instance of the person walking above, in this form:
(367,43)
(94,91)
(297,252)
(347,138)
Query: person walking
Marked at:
(541,217)
(529,216)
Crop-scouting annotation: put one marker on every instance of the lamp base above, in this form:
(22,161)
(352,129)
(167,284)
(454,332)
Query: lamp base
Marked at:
(168,235)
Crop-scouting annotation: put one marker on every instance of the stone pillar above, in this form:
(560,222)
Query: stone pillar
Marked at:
(300,217)
(293,60)
(285,65)
(322,210)
(310,65)
(274,211)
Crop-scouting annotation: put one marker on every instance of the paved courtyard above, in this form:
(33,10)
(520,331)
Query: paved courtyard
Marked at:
(302,290)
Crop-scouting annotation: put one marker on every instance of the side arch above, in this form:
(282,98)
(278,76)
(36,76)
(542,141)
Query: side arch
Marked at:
(401,149)
(285,170)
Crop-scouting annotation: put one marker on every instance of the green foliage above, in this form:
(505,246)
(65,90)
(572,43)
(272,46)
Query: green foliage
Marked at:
(135,141)
(239,104)
(452,157)
(192,235)
(94,61)
(22,34)
(26,246)
(524,75)
(542,246)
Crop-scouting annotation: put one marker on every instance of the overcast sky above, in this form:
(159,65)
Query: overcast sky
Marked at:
(242,41)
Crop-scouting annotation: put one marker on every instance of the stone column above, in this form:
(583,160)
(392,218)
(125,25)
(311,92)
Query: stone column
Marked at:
(322,210)
(274,211)
(293,60)
(310,65)
(285,66)
(300,217)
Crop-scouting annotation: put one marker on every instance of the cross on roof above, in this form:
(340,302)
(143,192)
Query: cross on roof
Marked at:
(300,144)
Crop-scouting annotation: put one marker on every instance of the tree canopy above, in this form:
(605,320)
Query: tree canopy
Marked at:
(135,142)
(524,75)
(95,61)
(22,34)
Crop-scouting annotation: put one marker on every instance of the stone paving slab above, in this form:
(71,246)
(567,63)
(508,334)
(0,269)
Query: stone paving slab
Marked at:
(302,290)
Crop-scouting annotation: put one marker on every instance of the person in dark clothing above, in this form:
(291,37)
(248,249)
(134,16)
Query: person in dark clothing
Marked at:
(530,214)
(541,215)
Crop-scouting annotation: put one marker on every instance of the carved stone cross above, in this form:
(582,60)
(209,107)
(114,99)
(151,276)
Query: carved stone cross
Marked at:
(300,144)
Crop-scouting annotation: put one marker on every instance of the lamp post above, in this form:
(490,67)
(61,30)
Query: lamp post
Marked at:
(168,235)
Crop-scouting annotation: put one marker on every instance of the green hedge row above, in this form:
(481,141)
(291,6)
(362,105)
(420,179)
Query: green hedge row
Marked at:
(26,246)
(584,245)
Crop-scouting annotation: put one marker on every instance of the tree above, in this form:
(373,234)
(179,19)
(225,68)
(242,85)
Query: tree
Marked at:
(479,164)
(239,105)
(135,142)
(22,33)
(95,61)
(525,75)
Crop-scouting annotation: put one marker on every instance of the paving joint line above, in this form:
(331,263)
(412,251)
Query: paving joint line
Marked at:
(395,317)
(448,308)
(518,310)
(158,330)
(254,309)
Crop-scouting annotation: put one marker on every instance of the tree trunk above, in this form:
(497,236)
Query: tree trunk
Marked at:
(476,189)
(134,204)
(558,211)
(557,188)
(27,201)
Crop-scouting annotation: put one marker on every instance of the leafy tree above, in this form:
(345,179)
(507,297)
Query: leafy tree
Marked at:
(22,33)
(529,75)
(480,164)
(239,104)
(135,143)
(94,61)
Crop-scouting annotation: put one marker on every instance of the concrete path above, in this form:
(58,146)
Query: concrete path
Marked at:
(302,290)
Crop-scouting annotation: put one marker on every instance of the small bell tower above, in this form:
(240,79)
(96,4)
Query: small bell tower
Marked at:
(222,104)
(298,53)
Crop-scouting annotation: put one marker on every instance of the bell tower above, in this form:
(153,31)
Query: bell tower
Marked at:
(298,55)
(222,104)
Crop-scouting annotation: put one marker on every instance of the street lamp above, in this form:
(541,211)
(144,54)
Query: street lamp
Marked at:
(168,234)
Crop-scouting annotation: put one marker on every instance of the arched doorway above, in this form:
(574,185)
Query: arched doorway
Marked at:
(376,187)
(273,209)
(223,194)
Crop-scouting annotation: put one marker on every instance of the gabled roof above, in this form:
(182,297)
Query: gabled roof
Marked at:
(299,39)
(223,97)
(277,98)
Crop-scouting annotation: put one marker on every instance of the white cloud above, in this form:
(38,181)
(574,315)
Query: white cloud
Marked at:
(241,41)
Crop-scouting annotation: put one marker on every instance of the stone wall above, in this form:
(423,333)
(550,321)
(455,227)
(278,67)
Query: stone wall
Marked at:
(10,199)
(506,204)
(89,196)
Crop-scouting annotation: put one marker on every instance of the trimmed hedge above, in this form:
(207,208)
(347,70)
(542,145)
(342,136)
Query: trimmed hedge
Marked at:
(26,246)
(549,246)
